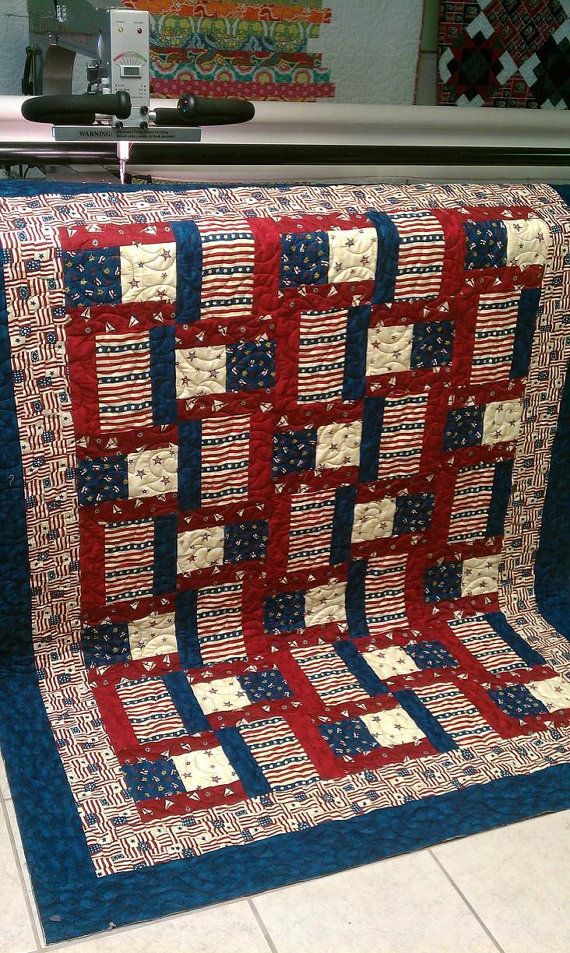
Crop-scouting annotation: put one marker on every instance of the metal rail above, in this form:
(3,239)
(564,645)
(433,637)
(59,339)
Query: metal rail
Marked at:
(148,154)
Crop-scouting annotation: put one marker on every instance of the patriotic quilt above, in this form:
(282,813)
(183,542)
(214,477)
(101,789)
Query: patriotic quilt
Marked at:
(275,493)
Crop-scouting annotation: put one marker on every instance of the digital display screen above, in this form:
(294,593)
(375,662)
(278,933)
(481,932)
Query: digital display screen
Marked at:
(130,71)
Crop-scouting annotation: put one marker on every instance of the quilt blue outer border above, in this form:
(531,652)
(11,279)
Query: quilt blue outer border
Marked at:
(552,569)
(27,187)
(552,581)
(72,901)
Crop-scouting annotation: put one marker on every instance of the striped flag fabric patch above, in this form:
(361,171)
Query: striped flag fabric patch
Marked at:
(478,636)
(328,675)
(420,255)
(150,710)
(494,336)
(225,460)
(310,530)
(457,716)
(227,270)
(471,502)
(124,381)
(402,435)
(322,346)
(385,604)
(219,623)
(129,559)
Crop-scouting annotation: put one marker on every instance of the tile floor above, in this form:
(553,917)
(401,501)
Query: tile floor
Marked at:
(507,890)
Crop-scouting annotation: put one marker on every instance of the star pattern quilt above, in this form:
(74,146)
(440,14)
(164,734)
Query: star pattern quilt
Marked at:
(504,53)
(274,495)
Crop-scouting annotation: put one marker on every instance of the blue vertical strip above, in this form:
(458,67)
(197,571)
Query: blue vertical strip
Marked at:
(15,594)
(364,675)
(189,464)
(163,375)
(552,568)
(354,383)
(506,632)
(502,481)
(244,764)
(355,599)
(188,270)
(524,334)
(186,622)
(185,702)
(426,721)
(372,417)
(563,191)
(345,498)
(387,260)
(165,549)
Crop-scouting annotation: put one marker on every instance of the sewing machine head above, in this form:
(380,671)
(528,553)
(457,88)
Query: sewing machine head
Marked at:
(116,106)
(116,39)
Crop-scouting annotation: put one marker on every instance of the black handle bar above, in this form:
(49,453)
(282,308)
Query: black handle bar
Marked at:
(191,110)
(76,109)
(200,111)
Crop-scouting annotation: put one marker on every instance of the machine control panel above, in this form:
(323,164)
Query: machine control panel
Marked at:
(129,58)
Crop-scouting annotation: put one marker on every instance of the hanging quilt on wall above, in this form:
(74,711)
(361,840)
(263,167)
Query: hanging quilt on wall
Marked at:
(504,53)
(274,496)
(242,48)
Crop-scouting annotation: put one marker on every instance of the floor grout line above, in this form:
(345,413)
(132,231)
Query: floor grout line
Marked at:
(467,903)
(139,925)
(262,927)
(12,838)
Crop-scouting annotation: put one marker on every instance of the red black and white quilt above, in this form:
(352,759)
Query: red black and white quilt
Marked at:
(284,456)
(504,53)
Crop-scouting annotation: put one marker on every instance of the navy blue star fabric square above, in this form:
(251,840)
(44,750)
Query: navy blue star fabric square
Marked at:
(414,513)
(432,344)
(105,644)
(245,541)
(294,452)
(463,428)
(152,779)
(265,686)
(443,582)
(431,655)
(517,701)
(486,244)
(250,365)
(101,480)
(348,738)
(304,259)
(284,612)
(92,277)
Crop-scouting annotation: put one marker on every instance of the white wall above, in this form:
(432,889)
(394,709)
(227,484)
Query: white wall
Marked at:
(372,48)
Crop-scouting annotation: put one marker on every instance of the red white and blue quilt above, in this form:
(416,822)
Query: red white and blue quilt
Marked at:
(274,497)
